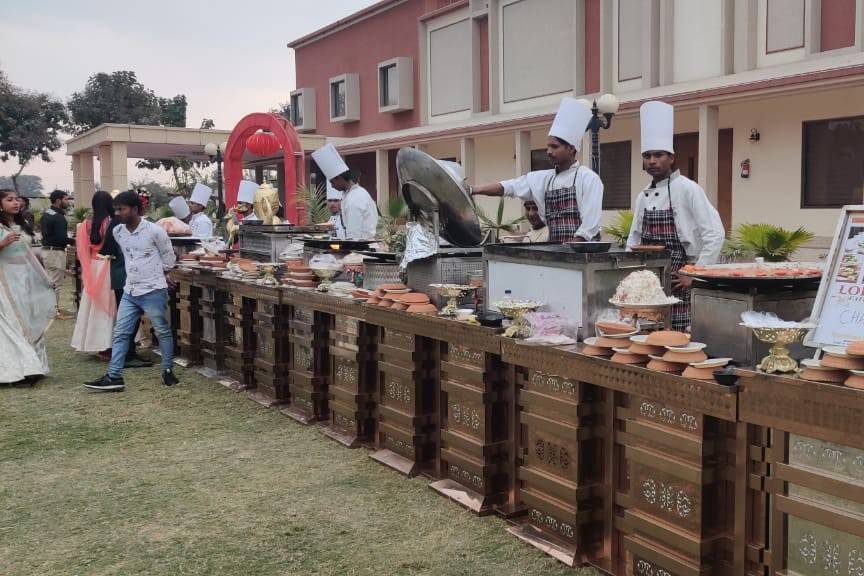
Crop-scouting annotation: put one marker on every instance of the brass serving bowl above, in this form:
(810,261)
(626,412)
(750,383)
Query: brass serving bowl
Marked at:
(452,292)
(778,360)
(516,310)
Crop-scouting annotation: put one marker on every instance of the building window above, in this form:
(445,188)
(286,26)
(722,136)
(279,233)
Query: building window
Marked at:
(396,85)
(614,172)
(297,109)
(345,98)
(833,174)
(450,82)
(303,109)
(337,99)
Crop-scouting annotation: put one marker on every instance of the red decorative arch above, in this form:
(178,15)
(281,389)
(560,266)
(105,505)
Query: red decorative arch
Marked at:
(295,170)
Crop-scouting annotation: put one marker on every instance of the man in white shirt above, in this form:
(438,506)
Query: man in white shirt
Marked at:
(673,211)
(334,204)
(359,212)
(148,256)
(569,197)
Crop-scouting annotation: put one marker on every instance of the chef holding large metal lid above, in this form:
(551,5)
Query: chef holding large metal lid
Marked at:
(334,205)
(359,212)
(569,197)
(202,226)
(673,211)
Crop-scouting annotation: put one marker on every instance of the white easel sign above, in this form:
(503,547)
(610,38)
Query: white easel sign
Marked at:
(839,308)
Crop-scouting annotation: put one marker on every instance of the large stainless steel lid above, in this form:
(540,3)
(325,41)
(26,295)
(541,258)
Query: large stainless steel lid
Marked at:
(428,188)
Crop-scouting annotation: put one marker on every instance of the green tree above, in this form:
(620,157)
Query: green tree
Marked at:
(28,185)
(118,98)
(283,109)
(30,126)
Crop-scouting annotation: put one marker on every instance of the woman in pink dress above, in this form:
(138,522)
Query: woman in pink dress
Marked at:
(95,321)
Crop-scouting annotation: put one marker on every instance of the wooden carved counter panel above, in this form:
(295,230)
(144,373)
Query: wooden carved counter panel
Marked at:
(271,321)
(191,327)
(354,374)
(214,335)
(240,351)
(475,445)
(310,367)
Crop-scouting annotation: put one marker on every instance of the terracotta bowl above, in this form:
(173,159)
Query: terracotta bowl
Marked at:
(304,283)
(667,338)
(663,366)
(606,327)
(855,348)
(399,306)
(827,376)
(596,351)
(606,342)
(422,309)
(385,303)
(647,350)
(383,287)
(842,363)
(685,357)
(855,381)
(629,358)
(412,298)
(373,301)
(699,373)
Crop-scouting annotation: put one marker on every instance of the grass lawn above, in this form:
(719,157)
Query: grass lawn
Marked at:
(199,480)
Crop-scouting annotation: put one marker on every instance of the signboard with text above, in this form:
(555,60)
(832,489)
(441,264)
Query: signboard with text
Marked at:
(839,307)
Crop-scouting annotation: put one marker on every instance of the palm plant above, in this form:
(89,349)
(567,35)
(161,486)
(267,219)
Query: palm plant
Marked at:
(391,226)
(773,243)
(620,228)
(312,203)
(493,228)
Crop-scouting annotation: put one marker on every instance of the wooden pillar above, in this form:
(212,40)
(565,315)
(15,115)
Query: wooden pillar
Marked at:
(382,178)
(523,152)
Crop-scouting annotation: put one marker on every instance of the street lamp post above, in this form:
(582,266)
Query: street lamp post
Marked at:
(215,153)
(602,111)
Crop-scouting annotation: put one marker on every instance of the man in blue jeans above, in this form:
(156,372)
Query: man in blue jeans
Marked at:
(149,256)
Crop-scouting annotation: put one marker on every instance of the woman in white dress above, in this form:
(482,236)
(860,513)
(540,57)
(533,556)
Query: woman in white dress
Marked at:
(27,299)
(98,308)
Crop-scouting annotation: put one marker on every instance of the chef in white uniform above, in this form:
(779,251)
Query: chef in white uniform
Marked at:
(334,204)
(180,208)
(673,211)
(201,224)
(569,197)
(359,212)
(245,198)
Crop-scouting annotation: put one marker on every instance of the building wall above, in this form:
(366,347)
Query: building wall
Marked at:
(359,48)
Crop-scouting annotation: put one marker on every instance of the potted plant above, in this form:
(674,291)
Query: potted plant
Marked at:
(619,230)
(493,228)
(773,243)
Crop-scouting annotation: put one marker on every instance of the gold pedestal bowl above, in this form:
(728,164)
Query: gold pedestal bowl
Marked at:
(452,292)
(516,310)
(778,360)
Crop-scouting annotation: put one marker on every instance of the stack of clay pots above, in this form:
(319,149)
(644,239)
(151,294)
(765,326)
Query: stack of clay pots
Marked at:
(611,342)
(839,365)
(300,276)
(400,297)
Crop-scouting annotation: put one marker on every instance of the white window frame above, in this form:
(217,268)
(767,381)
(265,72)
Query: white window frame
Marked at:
(307,109)
(404,85)
(352,98)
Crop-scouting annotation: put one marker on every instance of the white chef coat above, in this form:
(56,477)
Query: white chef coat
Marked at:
(697,222)
(202,226)
(359,214)
(336,222)
(589,193)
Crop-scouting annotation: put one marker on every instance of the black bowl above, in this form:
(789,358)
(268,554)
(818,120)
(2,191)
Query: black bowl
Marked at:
(589,247)
(490,319)
(726,377)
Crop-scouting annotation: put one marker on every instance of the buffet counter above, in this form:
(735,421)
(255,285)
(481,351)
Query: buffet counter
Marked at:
(631,470)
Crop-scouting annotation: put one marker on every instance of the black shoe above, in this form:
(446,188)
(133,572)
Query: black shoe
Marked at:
(168,378)
(107,384)
(136,362)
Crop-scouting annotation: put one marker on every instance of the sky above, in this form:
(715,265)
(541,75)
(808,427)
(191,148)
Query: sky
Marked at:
(229,58)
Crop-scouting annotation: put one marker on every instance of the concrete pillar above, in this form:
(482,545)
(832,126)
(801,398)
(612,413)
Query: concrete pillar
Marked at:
(666,28)
(709,129)
(651,41)
(494,45)
(466,153)
(746,17)
(859,24)
(607,47)
(727,36)
(422,148)
(112,167)
(813,27)
(382,178)
(523,152)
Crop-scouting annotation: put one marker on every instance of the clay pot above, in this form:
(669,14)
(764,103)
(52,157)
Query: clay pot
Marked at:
(399,306)
(667,338)
(664,366)
(685,357)
(596,351)
(855,381)
(629,358)
(646,350)
(384,287)
(422,309)
(826,376)
(699,373)
(607,327)
(855,348)
(843,363)
(412,298)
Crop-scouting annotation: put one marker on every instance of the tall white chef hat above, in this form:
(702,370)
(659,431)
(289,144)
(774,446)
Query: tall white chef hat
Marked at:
(247,190)
(329,161)
(658,126)
(571,121)
(201,194)
(179,206)
(332,193)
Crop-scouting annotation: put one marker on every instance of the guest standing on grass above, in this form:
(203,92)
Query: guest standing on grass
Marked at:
(98,308)
(111,252)
(55,239)
(27,300)
(148,256)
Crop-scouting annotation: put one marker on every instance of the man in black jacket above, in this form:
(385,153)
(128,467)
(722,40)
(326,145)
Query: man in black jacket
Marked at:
(55,239)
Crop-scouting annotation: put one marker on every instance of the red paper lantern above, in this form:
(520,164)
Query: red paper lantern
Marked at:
(262,144)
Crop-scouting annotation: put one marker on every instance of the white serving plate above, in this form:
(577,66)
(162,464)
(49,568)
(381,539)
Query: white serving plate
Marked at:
(712,363)
(691,347)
